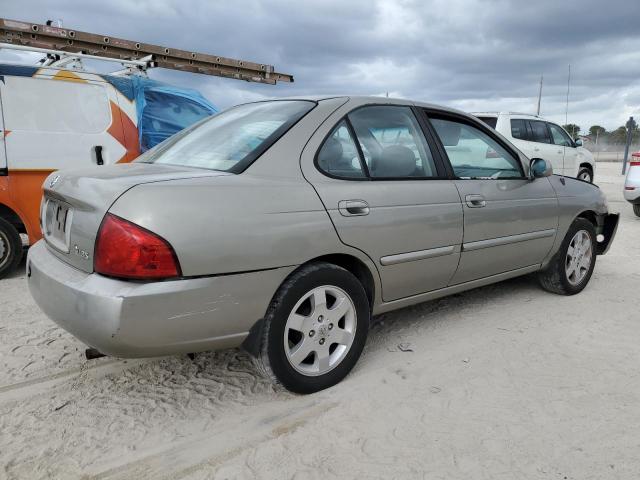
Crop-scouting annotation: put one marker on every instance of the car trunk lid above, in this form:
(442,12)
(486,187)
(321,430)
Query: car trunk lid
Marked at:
(75,202)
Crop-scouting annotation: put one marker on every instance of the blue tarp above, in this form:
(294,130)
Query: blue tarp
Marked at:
(164,110)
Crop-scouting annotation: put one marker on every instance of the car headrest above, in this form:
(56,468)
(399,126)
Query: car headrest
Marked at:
(449,133)
(330,154)
(395,161)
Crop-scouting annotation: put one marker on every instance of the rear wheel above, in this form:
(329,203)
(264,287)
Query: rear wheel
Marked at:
(636,210)
(10,248)
(315,328)
(570,269)
(585,174)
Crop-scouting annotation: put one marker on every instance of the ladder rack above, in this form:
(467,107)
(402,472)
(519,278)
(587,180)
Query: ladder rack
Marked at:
(143,55)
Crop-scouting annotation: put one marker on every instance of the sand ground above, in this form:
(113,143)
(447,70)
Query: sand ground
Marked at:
(502,382)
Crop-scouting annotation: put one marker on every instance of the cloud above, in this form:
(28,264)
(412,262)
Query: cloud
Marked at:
(473,55)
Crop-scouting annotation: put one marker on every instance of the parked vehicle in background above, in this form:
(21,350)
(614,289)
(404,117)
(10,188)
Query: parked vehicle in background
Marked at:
(53,118)
(537,137)
(632,183)
(285,225)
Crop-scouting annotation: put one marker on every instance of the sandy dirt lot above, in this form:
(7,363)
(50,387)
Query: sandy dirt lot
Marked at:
(502,382)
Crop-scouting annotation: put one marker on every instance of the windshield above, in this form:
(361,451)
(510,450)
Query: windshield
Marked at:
(231,140)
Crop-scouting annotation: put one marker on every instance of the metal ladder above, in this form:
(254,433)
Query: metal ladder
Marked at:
(64,46)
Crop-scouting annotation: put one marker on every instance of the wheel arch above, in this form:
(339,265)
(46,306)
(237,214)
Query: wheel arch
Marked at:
(356,267)
(589,215)
(11,216)
(351,263)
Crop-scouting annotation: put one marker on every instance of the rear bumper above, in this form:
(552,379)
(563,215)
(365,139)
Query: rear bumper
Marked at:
(128,319)
(607,227)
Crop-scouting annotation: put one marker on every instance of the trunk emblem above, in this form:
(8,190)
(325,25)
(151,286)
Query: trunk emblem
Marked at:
(53,181)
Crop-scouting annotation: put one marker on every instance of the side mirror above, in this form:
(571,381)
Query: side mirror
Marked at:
(578,142)
(539,168)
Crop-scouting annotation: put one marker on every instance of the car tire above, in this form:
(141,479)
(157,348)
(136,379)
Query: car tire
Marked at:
(298,322)
(570,269)
(585,174)
(10,248)
(636,210)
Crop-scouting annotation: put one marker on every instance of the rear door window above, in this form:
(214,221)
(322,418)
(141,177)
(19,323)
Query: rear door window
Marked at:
(392,142)
(539,132)
(519,129)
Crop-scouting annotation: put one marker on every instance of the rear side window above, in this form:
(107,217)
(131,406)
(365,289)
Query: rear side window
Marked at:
(473,154)
(519,129)
(539,132)
(491,121)
(339,155)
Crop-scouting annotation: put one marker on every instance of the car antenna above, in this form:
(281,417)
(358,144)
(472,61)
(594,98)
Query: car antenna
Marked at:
(540,95)
(64,46)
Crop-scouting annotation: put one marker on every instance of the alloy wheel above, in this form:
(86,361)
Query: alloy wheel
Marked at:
(579,256)
(320,330)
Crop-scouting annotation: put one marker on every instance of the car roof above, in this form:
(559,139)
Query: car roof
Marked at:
(371,99)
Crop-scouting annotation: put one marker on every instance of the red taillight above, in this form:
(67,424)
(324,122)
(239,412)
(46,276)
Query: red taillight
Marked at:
(634,163)
(629,188)
(125,250)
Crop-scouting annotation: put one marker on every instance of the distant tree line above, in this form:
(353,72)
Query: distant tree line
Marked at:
(615,137)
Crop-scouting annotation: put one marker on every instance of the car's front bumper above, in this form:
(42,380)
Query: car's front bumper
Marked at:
(132,319)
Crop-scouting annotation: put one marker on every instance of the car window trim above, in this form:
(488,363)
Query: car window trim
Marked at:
(473,122)
(442,175)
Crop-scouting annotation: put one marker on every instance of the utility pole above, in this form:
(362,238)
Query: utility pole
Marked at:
(566,111)
(566,115)
(631,126)
(539,95)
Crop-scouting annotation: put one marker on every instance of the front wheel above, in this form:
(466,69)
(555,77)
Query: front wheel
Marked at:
(570,269)
(10,248)
(636,210)
(315,328)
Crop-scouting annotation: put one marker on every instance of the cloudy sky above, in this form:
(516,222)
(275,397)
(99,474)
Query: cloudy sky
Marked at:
(470,54)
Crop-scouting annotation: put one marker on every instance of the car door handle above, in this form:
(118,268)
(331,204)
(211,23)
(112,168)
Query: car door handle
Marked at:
(475,201)
(353,208)
(559,151)
(536,149)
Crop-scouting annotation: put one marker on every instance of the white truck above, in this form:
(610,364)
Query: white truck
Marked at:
(539,138)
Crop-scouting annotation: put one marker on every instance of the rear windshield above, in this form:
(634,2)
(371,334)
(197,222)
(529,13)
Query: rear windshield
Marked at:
(230,141)
(491,121)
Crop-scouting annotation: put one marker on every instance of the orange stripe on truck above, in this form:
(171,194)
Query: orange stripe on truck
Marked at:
(21,191)
(125,132)
(68,76)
